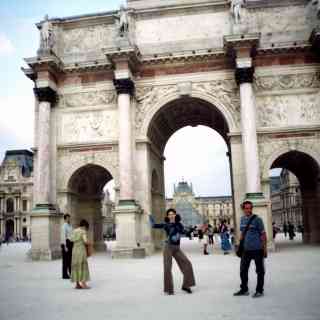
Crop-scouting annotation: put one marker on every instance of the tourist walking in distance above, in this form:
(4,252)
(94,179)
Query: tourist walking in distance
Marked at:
(225,238)
(174,229)
(205,239)
(291,230)
(79,267)
(66,247)
(210,234)
(285,229)
(254,248)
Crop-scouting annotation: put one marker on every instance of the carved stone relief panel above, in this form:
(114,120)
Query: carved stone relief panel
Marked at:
(224,91)
(85,43)
(287,82)
(288,110)
(88,126)
(147,97)
(90,98)
(277,20)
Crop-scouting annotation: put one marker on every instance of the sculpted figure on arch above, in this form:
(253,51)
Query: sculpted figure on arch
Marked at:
(236,10)
(122,16)
(317,4)
(46,34)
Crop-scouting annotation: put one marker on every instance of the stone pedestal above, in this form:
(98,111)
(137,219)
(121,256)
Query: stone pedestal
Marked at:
(128,223)
(45,233)
(262,208)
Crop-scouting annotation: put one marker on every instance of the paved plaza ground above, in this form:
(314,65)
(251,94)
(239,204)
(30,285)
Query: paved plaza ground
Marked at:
(132,289)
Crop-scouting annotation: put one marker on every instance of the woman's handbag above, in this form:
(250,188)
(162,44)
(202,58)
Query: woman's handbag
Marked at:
(240,247)
(89,249)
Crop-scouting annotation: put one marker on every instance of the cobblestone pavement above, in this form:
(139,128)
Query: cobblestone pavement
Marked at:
(132,289)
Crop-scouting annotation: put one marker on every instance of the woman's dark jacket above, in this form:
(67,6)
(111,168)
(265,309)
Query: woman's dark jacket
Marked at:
(173,230)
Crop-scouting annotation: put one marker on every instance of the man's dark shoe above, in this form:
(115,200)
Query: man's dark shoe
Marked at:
(188,290)
(241,293)
(258,295)
(65,277)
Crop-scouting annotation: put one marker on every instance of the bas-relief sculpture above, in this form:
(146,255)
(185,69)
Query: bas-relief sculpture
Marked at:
(281,106)
(287,81)
(87,39)
(148,97)
(224,91)
(88,126)
(288,110)
(90,98)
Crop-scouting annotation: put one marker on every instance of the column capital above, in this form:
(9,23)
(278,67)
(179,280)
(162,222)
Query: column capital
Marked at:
(244,45)
(45,94)
(244,75)
(124,86)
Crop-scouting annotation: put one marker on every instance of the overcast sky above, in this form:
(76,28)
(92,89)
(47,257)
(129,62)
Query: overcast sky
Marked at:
(196,154)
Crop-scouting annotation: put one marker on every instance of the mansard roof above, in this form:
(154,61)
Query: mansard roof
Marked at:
(21,158)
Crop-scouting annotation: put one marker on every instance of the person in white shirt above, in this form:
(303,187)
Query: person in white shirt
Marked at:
(66,247)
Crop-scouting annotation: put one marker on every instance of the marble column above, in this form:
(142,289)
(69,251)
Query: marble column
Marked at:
(46,96)
(45,222)
(128,213)
(244,78)
(125,88)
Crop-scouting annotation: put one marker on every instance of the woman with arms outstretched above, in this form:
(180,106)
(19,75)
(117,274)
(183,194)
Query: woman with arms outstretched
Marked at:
(174,229)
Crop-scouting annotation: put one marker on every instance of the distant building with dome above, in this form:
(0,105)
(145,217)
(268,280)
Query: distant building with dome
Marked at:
(197,210)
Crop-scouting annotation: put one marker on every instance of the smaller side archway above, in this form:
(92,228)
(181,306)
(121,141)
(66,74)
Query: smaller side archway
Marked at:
(85,190)
(307,171)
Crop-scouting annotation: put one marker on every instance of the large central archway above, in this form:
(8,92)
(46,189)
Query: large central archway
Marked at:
(85,189)
(185,111)
(175,115)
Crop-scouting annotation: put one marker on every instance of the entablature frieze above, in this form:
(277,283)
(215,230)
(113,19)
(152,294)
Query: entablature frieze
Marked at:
(82,147)
(276,55)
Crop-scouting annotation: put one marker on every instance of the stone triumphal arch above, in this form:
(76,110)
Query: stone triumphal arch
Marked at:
(111,88)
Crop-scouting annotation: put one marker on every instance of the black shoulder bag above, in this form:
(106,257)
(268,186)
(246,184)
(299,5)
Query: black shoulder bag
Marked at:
(240,248)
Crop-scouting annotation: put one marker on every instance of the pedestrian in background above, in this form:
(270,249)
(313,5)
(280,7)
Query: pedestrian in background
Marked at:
(225,238)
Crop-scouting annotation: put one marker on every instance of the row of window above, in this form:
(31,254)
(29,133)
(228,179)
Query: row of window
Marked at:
(9,205)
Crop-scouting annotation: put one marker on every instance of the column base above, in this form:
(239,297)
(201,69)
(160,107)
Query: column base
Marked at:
(254,196)
(128,253)
(45,208)
(128,231)
(44,254)
(45,233)
(100,246)
(262,208)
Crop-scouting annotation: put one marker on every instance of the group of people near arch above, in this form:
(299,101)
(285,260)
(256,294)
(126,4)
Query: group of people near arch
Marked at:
(253,246)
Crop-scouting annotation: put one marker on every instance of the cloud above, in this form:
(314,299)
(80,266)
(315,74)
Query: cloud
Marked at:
(16,121)
(6,46)
(199,156)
